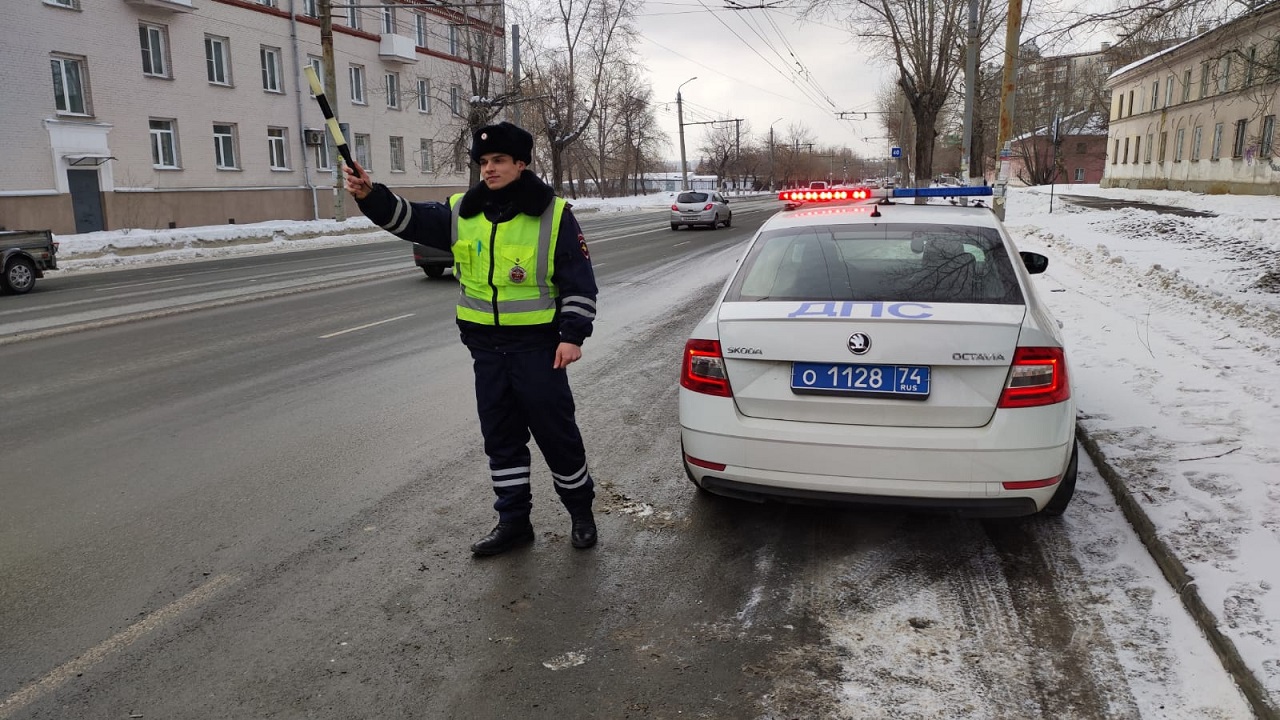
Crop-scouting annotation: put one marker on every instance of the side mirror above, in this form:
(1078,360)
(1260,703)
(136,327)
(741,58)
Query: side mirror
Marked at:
(1034,262)
(726,201)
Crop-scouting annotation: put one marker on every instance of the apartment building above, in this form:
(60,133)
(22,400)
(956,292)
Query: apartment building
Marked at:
(176,113)
(1201,116)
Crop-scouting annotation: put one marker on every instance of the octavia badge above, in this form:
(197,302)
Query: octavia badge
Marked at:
(859,343)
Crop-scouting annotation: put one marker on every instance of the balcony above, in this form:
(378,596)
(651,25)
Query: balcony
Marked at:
(176,6)
(397,48)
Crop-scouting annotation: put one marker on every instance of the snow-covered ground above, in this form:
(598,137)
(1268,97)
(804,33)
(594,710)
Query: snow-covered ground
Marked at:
(1173,326)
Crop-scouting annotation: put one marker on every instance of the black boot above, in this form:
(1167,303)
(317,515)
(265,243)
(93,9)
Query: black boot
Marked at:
(503,537)
(583,533)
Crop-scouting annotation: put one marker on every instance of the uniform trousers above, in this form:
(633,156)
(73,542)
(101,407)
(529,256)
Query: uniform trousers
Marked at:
(519,394)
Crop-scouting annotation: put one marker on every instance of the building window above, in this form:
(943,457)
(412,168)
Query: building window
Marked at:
(1178,141)
(455,100)
(1224,74)
(1186,85)
(323,158)
(1131,103)
(1119,106)
(1216,151)
(309,8)
(217,57)
(1197,138)
(1249,63)
(224,147)
(1079,174)
(1267,140)
(420,29)
(316,64)
(424,155)
(1204,79)
(397,154)
(271,75)
(69,4)
(362,152)
(155,50)
(278,148)
(1237,143)
(353,17)
(164,144)
(70,85)
(1273,73)
(424,95)
(1155,96)
(1150,141)
(1115,152)
(356,73)
(1168,91)
(267,3)
(1081,148)
(1124,159)
(453,40)
(1164,145)
(393,90)
(459,162)
(388,20)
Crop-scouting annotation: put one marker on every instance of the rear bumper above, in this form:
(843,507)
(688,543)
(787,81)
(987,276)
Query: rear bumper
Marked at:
(953,468)
(966,507)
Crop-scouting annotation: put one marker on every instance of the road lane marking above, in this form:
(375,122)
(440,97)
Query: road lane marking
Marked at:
(118,642)
(686,242)
(367,325)
(105,288)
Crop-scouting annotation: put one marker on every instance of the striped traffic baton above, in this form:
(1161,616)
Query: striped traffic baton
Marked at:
(330,121)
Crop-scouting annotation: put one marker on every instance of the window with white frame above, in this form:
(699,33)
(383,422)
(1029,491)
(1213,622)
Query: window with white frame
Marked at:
(1273,71)
(278,148)
(393,90)
(356,73)
(1266,141)
(69,4)
(1251,60)
(353,17)
(316,64)
(272,77)
(1079,174)
(1204,79)
(1131,103)
(1216,150)
(1150,142)
(217,58)
(155,49)
(1155,95)
(420,29)
(454,39)
(309,8)
(70,85)
(424,95)
(1197,139)
(1168,91)
(455,100)
(362,151)
(425,161)
(397,154)
(224,146)
(1179,140)
(164,143)
(1237,142)
(324,158)
(1186,85)
(1164,146)
(388,20)
(1224,74)
(267,3)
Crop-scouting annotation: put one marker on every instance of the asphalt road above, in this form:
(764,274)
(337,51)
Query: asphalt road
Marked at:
(246,488)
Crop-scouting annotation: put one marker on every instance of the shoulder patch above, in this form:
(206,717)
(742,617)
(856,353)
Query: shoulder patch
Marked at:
(582,243)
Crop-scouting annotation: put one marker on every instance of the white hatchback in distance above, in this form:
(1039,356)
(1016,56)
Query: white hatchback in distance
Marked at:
(875,353)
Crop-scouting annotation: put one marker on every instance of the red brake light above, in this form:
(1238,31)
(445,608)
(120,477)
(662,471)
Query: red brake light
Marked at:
(708,206)
(703,369)
(1038,377)
(675,207)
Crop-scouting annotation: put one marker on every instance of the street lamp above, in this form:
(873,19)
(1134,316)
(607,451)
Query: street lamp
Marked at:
(684,165)
(775,122)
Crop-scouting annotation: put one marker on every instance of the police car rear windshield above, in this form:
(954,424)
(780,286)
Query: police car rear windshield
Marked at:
(693,197)
(903,262)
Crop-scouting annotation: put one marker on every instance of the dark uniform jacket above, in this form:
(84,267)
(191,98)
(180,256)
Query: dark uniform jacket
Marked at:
(429,224)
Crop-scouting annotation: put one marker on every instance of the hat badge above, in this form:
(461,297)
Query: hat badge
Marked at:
(484,136)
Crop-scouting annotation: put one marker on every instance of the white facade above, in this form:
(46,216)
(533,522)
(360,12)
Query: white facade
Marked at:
(190,112)
(1201,116)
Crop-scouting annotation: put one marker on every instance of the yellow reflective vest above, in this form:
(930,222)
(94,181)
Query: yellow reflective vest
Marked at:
(504,269)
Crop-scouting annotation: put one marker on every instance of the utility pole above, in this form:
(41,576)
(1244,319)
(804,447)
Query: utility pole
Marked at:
(684,164)
(515,69)
(331,91)
(967,170)
(1008,94)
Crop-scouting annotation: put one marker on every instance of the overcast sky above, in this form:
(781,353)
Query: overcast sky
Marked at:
(748,64)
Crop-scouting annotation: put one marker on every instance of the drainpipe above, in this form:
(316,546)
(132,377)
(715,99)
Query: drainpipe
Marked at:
(297,96)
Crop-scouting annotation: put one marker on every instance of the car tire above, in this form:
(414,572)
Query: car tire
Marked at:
(19,276)
(433,271)
(715,222)
(729,222)
(1066,487)
(675,226)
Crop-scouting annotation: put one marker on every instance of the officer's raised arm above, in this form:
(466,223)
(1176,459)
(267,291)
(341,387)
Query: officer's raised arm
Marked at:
(426,223)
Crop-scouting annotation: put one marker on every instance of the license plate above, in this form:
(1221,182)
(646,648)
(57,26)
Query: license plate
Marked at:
(908,382)
(694,216)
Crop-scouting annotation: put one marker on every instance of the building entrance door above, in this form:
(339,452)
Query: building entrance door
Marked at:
(86,200)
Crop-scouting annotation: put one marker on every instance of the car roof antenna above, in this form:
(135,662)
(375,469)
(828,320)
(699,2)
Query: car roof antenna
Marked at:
(875,210)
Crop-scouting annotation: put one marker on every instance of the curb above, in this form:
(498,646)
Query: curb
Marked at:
(1182,582)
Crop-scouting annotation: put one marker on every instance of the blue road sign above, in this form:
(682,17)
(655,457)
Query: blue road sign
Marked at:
(896,152)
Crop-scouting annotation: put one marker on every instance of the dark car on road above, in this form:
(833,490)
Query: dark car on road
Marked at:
(433,261)
(24,256)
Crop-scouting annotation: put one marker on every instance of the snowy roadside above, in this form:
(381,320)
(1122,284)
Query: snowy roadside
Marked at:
(1173,327)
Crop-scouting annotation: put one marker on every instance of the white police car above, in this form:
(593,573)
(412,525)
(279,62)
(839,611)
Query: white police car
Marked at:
(882,353)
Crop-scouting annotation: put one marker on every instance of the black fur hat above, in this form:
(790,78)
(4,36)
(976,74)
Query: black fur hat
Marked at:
(503,138)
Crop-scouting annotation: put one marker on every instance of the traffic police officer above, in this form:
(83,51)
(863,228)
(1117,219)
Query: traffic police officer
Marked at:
(526,304)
